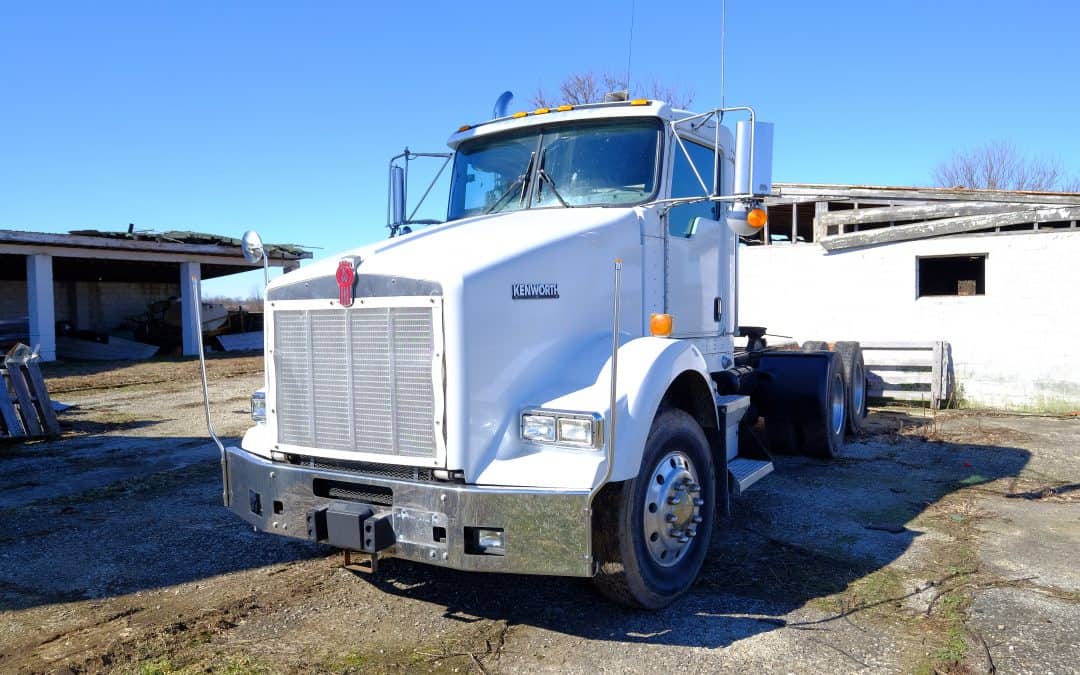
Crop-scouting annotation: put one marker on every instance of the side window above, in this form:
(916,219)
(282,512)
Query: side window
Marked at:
(685,184)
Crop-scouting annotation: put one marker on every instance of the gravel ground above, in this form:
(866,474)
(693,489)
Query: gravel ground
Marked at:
(937,543)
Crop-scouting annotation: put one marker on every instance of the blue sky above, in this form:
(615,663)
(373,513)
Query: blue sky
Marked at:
(282,116)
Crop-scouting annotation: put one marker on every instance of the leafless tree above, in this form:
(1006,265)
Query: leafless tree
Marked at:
(1000,166)
(587,87)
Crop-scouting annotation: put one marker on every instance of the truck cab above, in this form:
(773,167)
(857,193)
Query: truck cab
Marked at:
(547,382)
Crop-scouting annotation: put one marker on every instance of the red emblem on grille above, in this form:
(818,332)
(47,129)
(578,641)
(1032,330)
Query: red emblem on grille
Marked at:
(346,275)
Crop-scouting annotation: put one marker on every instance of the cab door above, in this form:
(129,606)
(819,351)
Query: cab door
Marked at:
(693,247)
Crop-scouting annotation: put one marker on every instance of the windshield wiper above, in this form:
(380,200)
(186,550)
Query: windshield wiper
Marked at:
(554,190)
(521,181)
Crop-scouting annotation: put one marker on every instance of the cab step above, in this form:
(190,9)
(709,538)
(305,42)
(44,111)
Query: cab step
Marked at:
(745,472)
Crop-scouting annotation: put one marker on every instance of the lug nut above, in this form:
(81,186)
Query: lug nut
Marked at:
(676,533)
(698,501)
(673,500)
(696,519)
(670,517)
(684,540)
(691,532)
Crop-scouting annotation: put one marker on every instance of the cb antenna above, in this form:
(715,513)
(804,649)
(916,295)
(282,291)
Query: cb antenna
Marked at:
(723,46)
(630,47)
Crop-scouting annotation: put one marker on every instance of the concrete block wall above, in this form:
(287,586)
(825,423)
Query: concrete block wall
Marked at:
(102,306)
(89,305)
(13,304)
(1017,346)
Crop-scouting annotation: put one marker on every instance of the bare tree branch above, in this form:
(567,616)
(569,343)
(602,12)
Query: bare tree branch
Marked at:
(1000,166)
(587,87)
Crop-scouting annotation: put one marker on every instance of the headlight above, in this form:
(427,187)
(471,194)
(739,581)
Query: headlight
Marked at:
(563,428)
(576,431)
(258,405)
(538,427)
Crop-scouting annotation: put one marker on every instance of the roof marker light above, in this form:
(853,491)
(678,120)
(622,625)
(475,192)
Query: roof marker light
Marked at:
(464,127)
(541,111)
(519,114)
(640,101)
(564,108)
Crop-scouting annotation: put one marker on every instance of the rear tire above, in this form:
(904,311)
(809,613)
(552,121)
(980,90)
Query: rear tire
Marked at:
(855,381)
(823,426)
(641,563)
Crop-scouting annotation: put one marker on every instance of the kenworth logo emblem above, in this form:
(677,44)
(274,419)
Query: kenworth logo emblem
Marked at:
(534,291)
(346,275)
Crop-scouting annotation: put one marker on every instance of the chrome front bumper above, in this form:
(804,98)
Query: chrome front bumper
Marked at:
(544,531)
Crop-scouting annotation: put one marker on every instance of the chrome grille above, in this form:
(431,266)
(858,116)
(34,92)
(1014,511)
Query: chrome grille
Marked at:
(356,379)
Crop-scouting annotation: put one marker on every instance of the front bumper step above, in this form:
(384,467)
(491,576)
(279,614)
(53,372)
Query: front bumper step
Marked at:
(356,527)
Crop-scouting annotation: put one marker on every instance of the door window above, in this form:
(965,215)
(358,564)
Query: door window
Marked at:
(685,184)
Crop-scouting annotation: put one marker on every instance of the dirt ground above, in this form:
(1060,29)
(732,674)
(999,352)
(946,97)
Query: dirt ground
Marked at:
(937,543)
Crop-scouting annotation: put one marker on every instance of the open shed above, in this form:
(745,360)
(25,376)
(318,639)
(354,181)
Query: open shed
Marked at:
(93,280)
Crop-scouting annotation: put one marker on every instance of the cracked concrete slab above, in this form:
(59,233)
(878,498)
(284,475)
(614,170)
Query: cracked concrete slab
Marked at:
(1027,631)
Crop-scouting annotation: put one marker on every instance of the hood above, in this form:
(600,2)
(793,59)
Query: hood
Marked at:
(448,253)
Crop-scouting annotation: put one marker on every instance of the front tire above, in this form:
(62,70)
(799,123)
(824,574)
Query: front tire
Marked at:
(651,533)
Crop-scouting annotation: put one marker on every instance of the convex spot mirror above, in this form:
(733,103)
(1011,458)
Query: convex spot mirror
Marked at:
(252,246)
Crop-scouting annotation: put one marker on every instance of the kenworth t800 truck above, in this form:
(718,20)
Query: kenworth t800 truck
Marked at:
(548,381)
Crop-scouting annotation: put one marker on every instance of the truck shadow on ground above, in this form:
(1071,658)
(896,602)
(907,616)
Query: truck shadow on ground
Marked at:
(807,532)
(95,517)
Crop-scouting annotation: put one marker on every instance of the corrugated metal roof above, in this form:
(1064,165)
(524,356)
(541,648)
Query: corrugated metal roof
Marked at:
(197,238)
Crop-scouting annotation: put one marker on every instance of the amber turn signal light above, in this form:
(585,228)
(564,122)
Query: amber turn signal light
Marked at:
(757,218)
(660,325)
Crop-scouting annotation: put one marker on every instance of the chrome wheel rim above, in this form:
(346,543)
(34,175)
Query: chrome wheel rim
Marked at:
(836,414)
(672,509)
(858,390)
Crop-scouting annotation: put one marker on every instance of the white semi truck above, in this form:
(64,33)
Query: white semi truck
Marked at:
(547,382)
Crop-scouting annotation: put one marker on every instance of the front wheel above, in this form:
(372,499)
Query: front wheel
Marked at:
(651,533)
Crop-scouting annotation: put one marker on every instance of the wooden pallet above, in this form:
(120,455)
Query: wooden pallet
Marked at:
(909,371)
(26,411)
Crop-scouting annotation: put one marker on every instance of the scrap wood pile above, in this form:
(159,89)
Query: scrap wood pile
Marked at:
(26,411)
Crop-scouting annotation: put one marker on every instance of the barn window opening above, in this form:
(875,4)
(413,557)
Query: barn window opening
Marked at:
(952,275)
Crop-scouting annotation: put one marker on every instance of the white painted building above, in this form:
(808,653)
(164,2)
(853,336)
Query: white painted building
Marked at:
(94,280)
(1006,297)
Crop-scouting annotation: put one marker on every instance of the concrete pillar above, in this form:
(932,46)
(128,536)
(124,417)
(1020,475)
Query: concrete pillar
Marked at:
(39,299)
(192,330)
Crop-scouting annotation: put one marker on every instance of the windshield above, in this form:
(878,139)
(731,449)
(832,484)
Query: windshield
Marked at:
(579,164)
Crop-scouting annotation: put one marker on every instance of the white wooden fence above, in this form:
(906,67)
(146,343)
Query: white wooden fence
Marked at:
(909,371)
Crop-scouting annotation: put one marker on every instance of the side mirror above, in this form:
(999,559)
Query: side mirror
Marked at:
(397,195)
(252,247)
(753,158)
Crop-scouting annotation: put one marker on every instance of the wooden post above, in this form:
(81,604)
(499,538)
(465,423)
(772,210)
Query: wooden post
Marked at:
(26,403)
(41,394)
(12,426)
(820,209)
